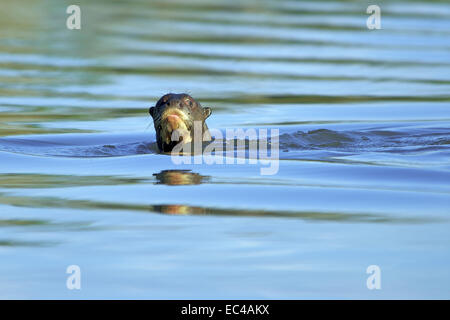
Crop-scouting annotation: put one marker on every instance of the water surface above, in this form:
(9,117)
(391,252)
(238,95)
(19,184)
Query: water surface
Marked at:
(364,131)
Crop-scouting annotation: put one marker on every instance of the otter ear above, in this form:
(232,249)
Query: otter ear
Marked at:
(206,112)
(151,111)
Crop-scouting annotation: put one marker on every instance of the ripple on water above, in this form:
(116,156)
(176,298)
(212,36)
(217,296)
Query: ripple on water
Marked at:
(363,117)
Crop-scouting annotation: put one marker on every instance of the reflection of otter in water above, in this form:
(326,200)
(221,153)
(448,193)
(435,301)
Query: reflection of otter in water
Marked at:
(178,112)
(178,209)
(179,177)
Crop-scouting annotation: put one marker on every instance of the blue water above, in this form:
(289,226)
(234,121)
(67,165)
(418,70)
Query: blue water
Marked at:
(364,145)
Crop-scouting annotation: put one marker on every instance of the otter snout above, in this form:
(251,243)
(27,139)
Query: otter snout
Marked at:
(174,128)
(174,116)
(173,121)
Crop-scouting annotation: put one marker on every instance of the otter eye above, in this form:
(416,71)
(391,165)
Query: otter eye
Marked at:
(165,99)
(188,101)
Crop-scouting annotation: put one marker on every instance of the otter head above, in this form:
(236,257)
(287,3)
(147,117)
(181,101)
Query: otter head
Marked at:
(177,112)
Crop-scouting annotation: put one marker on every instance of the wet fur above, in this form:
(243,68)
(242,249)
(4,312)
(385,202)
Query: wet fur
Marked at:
(187,109)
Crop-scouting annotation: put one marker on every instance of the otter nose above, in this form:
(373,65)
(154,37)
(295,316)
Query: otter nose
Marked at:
(174,121)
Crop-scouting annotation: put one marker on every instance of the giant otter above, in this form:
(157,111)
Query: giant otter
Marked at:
(178,112)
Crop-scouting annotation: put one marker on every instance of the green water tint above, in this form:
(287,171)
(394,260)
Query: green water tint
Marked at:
(364,123)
